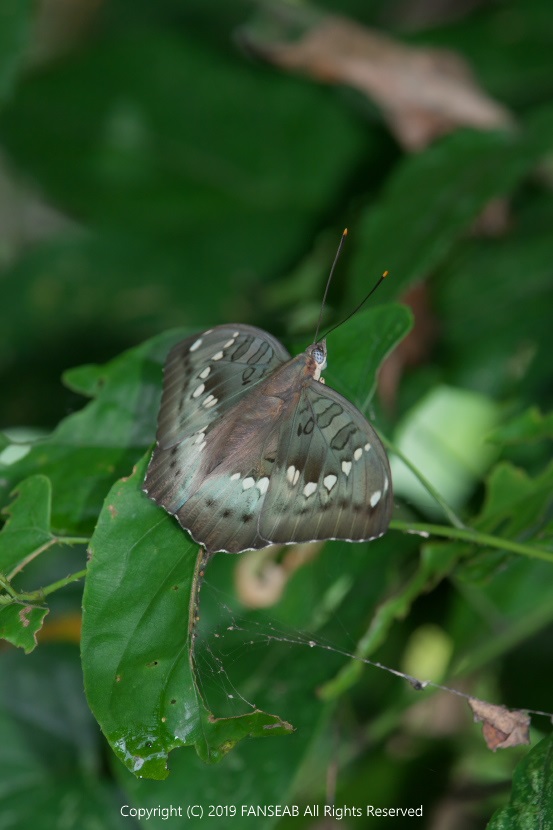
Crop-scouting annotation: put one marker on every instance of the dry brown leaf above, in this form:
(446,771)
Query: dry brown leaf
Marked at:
(423,93)
(502,728)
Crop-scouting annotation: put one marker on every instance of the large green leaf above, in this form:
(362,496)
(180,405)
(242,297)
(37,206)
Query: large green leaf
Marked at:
(264,658)
(138,616)
(531,803)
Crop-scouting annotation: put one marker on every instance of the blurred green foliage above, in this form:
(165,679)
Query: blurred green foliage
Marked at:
(154,175)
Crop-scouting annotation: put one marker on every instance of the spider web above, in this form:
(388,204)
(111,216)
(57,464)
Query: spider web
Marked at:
(238,651)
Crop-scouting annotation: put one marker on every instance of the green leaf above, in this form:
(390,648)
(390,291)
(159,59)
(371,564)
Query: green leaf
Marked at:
(432,197)
(518,506)
(531,803)
(19,624)
(87,380)
(530,425)
(15,19)
(25,535)
(254,663)
(91,448)
(27,530)
(357,349)
(51,758)
(137,635)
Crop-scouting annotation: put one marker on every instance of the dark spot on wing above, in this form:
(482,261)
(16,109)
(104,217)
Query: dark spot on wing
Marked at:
(342,437)
(247,374)
(327,415)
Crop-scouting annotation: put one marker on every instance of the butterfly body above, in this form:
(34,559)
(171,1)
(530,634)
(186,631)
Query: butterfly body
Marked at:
(253,449)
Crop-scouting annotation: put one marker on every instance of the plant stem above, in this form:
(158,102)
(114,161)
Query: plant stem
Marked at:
(41,593)
(53,540)
(449,512)
(469,535)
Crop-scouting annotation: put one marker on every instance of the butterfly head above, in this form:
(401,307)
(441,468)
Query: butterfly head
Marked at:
(317,358)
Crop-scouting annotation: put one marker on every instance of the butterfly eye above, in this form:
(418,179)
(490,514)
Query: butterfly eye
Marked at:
(319,355)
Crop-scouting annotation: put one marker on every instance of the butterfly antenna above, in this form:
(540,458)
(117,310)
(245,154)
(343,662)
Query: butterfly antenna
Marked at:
(361,304)
(329,280)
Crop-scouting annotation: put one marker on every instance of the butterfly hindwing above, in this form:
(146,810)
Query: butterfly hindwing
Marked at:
(205,376)
(332,478)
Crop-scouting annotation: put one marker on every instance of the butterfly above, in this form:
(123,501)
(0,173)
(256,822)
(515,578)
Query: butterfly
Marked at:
(254,449)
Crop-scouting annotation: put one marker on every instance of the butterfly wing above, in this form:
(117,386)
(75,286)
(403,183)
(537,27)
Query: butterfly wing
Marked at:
(205,376)
(331,478)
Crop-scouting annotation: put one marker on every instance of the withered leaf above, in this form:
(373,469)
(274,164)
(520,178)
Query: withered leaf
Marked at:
(423,93)
(502,728)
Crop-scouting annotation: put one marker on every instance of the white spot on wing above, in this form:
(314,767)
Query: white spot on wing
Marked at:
(198,390)
(235,477)
(358,453)
(329,481)
(375,498)
(296,476)
(309,488)
(217,356)
(346,467)
(210,401)
(196,344)
(247,483)
(386,484)
(290,473)
(263,484)
(205,372)
(200,438)
(229,343)
(235,334)
(367,447)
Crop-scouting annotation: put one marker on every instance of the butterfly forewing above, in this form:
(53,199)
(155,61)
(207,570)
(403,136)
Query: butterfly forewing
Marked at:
(205,376)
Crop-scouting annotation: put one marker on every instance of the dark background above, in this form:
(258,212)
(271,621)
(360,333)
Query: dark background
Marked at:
(156,171)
